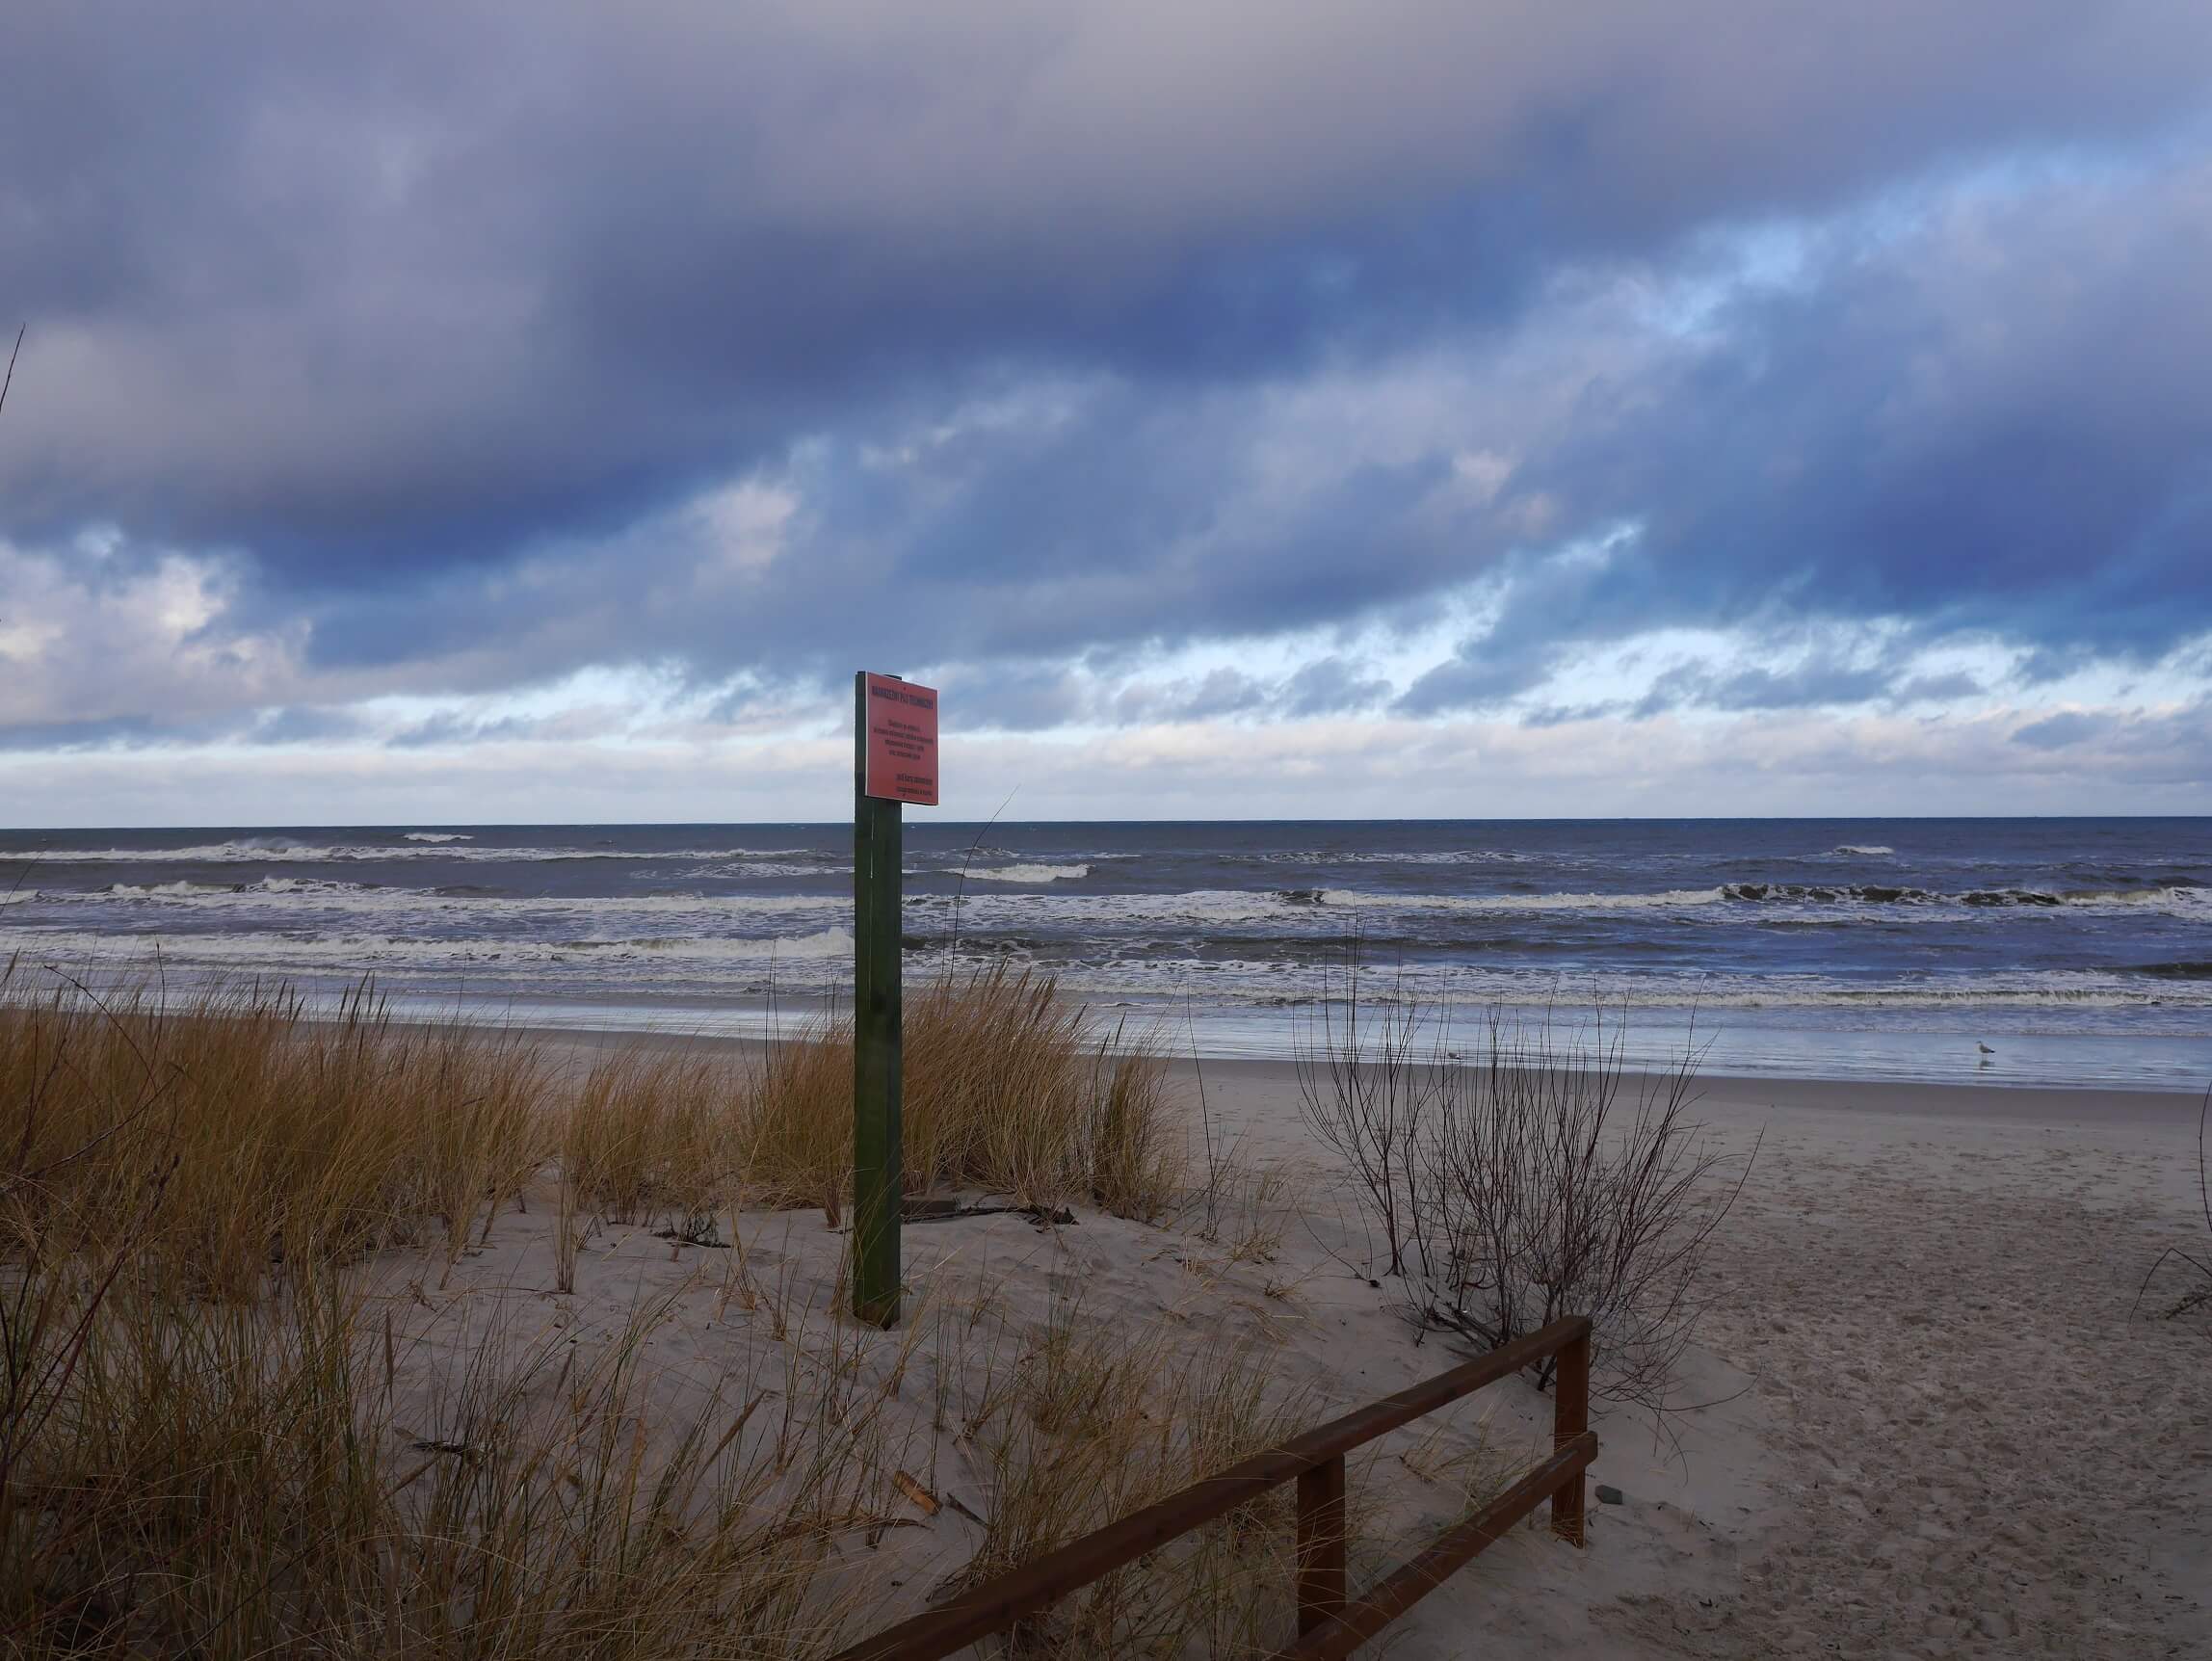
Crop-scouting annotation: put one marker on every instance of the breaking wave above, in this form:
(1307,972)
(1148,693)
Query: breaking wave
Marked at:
(355,953)
(2185,896)
(282,851)
(1352,900)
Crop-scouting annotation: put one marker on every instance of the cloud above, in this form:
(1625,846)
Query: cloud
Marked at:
(379,295)
(1332,686)
(2068,728)
(1073,359)
(1836,450)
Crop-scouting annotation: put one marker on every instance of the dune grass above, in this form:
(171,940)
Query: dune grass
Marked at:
(1094,1422)
(214,1440)
(1007,1090)
(234,1135)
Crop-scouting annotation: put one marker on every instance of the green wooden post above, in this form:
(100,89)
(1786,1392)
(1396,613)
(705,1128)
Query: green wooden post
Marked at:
(877,1026)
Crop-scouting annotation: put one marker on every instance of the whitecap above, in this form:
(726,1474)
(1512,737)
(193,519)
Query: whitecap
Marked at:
(1672,897)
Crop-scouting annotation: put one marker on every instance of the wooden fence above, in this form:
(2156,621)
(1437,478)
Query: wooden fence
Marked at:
(1329,1625)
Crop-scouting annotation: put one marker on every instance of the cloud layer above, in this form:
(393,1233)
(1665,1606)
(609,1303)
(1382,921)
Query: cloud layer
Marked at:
(1130,368)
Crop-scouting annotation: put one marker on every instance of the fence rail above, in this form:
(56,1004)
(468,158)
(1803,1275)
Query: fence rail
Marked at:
(1329,1623)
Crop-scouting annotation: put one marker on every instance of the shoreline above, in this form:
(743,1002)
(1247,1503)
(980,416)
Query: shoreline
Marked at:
(2149,1061)
(1994,1098)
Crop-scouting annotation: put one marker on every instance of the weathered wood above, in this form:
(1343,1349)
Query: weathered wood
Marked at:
(997,1604)
(1321,1541)
(1570,1419)
(877,1027)
(1401,1590)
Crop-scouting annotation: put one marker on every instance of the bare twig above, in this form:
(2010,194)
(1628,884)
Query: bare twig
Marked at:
(11,357)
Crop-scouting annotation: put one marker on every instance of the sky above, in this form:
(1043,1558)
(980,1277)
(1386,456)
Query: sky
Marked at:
(497,414)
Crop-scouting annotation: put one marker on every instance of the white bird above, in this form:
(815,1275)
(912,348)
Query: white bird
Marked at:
(1984,1049)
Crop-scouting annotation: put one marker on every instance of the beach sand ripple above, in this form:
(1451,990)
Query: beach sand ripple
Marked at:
(1981,1452)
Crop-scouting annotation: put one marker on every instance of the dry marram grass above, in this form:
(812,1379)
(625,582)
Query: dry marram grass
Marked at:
(223,1223)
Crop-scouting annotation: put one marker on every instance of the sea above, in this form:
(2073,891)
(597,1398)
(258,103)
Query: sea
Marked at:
(1992,951)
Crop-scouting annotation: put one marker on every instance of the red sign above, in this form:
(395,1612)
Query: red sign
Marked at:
(901,741)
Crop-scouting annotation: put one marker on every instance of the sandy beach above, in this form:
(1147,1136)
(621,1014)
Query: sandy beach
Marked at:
(576,1303)
(1920,1418)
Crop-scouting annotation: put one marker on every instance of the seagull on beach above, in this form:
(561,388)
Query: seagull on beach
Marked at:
(1984,1049)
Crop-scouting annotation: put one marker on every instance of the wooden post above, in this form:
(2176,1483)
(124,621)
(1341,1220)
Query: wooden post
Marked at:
(1320,1531)
(877,1027)
(1570,1418)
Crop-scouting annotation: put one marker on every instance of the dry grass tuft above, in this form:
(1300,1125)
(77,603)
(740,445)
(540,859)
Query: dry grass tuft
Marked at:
(650,1136)
(214,1438)
(1009,1089)
(1091,1422)
(238,1135)
(231,1481)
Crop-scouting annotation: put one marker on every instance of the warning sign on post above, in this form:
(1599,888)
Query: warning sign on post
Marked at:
(901,741)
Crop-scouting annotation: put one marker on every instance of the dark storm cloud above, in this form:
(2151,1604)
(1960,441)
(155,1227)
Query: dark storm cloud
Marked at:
(1823,677)
(2068,727)
(377,293)
(300,726)
(453,730)
(122,732)
(1938,688)
(1982,419)
(1332,686)
(1013,699)
(1995,424)
(306,724)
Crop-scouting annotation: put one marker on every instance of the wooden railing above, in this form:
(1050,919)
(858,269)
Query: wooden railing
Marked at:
(1328,1625)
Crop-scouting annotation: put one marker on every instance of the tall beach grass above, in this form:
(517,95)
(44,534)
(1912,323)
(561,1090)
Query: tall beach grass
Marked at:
(217,1436)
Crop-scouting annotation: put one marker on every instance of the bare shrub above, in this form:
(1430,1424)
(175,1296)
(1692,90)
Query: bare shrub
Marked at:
(1531,1178)
(1368,1076)
(2188,1276)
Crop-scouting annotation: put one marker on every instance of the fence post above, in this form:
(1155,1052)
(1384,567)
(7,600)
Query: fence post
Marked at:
(1571,1418)
(1320,1531)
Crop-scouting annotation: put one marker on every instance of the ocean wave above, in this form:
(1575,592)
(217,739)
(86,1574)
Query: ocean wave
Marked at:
(1353,900)
(437,836)
(283,894)
(282,851)
(1819,893)
(1204,908)
(2182,897)
(690,958)
(357,953)
(762,871)
(1866,851)
(1403,857)
(1029,873)
(1260,980)
(2184,900)
(177,890)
